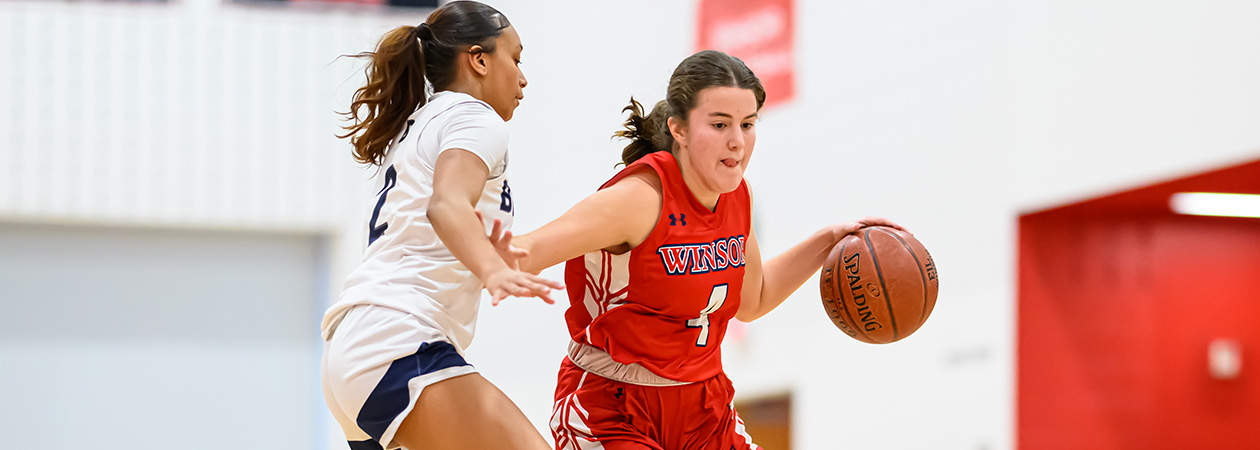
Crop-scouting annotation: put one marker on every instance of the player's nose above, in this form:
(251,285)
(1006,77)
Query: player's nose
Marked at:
(737,141)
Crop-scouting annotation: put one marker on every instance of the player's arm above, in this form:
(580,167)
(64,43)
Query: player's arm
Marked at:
(458,179)
(767,284)
(619,216)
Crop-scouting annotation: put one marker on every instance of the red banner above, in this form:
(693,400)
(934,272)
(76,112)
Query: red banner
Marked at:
(759,32)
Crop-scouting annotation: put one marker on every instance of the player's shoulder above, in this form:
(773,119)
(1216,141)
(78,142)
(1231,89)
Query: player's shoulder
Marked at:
(645,170)
(636,189)
(638,178)
(460,104)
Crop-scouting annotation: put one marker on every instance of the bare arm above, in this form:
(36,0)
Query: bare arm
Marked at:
(458,179)
(768,284)
(617,218)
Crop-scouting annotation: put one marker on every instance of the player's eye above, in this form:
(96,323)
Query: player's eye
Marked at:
(747,125)
(719,125)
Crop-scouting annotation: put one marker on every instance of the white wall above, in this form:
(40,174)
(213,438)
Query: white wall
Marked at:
(950,117)
(139,338)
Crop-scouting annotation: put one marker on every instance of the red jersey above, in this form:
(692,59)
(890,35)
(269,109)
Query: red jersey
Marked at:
(665,304)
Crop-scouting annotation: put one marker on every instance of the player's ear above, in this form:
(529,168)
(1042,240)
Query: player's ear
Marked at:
(678,128)
(477,60)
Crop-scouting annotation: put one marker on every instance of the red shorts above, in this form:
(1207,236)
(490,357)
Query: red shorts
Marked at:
(593,412)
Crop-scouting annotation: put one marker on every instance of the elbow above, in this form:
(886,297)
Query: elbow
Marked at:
(748,315)
(438,212)
(434,215)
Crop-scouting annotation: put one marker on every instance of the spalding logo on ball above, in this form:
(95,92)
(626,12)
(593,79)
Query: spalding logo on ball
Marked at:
(879,285)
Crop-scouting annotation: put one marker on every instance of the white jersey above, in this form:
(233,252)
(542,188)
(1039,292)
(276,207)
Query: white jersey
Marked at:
(405,266)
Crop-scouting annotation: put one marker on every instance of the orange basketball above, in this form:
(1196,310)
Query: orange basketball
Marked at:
(878,285)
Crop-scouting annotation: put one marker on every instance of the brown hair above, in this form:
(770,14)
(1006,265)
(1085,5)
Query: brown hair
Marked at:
(403,59)
(710,68)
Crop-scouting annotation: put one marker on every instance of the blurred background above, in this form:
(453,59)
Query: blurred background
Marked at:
(176,213)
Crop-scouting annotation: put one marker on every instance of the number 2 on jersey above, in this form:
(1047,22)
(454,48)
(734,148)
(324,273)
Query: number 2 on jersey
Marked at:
(716,298)
(376,231)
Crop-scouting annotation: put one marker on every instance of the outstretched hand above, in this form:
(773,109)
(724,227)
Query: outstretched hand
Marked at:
(512,282)
(502,241)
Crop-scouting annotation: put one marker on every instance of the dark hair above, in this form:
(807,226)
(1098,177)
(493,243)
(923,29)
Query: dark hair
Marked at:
(403,59)
(710,68)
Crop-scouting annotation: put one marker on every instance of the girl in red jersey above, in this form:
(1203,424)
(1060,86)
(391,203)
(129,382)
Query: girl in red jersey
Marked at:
(660,258)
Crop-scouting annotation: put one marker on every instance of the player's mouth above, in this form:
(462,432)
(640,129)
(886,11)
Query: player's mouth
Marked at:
(730,162)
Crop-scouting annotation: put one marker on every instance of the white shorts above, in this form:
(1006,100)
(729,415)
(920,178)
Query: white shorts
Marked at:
(376,362)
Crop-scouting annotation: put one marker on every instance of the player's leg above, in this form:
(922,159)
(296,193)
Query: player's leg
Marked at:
(707,408)
(590,413)
(737,435)
(392,380)
(729,427)
(467,412)
(356,438)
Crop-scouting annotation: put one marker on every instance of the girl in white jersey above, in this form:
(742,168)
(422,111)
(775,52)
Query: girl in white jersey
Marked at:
(393,370)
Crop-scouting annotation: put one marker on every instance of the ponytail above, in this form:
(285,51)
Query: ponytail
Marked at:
(404,58)
(395,88)
(647,133)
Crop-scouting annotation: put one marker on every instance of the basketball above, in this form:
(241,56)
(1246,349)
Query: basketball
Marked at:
(878,285)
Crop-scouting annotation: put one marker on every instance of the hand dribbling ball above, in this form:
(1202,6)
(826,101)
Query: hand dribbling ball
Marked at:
(878,285)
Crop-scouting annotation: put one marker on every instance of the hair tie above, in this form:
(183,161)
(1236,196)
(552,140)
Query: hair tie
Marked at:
(424,32)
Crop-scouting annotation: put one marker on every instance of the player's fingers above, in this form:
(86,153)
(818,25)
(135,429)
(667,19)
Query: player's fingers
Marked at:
(533,287)
(848,228)
(495,230)
(533,284)
(545,282)
(546,298)
(880,221)
(497,296)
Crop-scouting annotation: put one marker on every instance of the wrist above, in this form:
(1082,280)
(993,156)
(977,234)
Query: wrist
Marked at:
(835,233)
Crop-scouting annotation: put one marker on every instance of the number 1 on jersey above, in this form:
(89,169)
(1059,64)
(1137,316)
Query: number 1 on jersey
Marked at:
(716,298)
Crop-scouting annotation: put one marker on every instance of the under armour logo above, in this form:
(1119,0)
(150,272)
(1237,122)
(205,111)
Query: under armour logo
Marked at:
(681,218)
(619,393)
